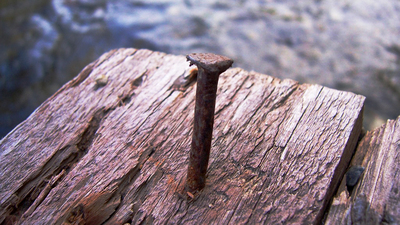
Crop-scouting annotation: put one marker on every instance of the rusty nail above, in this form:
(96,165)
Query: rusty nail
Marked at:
(210,66)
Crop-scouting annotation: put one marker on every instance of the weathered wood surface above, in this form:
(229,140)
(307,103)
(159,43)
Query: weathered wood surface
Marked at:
(375,199)
(117,151)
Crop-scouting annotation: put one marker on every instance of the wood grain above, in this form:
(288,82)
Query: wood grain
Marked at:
(279,148)
(375,199)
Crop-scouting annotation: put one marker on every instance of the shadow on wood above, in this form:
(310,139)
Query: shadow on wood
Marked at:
(375,199)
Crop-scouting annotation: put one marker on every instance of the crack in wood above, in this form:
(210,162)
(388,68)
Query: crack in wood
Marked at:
(85,211)
(89,134)
(35,189)
(43,194)
(93,209)
(343,164)
(139,197)
(104,141)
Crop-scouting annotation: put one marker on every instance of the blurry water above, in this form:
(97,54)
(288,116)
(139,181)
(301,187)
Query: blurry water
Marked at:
(349,45)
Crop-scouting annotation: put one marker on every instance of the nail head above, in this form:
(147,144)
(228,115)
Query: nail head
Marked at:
(210,62)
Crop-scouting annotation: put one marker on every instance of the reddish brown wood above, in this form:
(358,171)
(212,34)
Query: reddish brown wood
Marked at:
(116,151)
(376,197)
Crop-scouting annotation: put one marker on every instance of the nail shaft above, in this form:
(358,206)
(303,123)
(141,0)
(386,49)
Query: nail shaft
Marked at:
(210,66)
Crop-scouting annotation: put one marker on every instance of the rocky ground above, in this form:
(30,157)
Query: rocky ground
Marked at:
(351,45)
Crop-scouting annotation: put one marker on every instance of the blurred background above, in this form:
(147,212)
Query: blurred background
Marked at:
(350,45)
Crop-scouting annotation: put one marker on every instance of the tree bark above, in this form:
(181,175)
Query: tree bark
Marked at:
(112,145)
